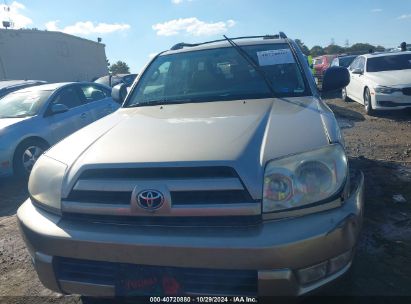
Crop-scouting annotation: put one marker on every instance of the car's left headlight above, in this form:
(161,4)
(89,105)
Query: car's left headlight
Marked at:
(304,179)
(386,90)
(46,181)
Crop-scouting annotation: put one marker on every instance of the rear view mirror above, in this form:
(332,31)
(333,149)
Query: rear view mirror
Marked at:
(119,92)
(58,108)
(335,78)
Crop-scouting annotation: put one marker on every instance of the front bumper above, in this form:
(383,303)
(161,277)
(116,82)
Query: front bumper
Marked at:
(275,250)
(397,101)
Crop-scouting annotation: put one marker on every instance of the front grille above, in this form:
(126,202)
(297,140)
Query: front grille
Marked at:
(177,197)
(188,192)
(194,280)
(406,91)
(156,173)
(210,197)
(100,197)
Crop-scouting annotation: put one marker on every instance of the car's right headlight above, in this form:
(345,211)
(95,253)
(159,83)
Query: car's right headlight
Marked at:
(386,90)
(46,181)
(305,179)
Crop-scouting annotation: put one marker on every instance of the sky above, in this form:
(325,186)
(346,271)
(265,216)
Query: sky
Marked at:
(135,30)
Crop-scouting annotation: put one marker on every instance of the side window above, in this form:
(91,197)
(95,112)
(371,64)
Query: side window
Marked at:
(155,84)
(361,63)
(70,97)
(94,93)
(354,64)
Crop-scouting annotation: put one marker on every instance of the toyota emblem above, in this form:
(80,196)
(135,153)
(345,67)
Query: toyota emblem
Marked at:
(150,199)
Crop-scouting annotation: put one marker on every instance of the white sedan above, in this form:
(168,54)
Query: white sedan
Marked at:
(380,81)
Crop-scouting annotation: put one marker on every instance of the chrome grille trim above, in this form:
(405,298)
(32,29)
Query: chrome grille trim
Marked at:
(127,185)
(186,210)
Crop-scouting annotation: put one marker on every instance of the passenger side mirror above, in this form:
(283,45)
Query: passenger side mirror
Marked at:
(335,78)
(58,108)
(119,92)
(357,71)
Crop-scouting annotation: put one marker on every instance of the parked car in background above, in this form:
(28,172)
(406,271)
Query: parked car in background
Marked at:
(223,173)
(343,61)
(113,80)
(8,86)
(322,63)
(35,118)
(380,81)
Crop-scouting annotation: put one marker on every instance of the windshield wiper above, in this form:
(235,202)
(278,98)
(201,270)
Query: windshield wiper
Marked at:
(148,103)
(251,61)
(161,102)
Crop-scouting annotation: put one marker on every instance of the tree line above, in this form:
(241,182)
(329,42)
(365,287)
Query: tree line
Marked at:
(333,49)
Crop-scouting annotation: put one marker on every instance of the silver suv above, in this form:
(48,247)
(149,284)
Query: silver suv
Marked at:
(223,173)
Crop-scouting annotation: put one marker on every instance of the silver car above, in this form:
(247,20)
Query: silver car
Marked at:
(35,118)
(224,173)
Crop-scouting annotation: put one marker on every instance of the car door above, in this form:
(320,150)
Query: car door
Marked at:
(76,117)
(98,100)
(361,79)
(351,87)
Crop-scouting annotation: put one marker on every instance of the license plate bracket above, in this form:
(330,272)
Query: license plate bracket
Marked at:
(138,280)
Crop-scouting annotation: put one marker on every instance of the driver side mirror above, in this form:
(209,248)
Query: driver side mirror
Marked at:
(357,71)
(119,93)
(335,78)
(58,108)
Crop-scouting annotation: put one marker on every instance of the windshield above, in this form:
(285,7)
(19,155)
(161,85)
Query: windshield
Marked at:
(345,61)
(389,63)
(103,80)
(22,104)
(219,74)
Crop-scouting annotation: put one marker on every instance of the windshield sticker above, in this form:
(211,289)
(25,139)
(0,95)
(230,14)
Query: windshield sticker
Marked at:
(272,57)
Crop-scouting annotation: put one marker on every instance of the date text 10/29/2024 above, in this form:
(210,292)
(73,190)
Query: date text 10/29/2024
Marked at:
(204,299)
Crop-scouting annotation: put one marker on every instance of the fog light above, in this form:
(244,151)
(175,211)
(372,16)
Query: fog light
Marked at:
(339,262)
(313,273)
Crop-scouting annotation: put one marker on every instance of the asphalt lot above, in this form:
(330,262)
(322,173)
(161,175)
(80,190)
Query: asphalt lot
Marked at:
(379,146)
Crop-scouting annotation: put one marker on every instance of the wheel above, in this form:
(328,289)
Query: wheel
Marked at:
(344,95)
(26,155)
(367,102)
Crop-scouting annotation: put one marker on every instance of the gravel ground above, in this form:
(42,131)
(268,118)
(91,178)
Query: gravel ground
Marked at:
(380,146)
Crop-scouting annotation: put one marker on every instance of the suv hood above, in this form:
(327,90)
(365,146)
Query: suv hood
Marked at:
(244,135)
(391,78)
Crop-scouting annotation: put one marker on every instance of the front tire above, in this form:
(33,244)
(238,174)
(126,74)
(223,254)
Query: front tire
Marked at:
(26,155)
(344,95)
(367,102)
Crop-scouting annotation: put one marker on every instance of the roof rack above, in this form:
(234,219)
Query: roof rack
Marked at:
(181,45)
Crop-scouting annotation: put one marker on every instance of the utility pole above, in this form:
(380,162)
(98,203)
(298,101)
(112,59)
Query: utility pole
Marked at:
(7,23)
